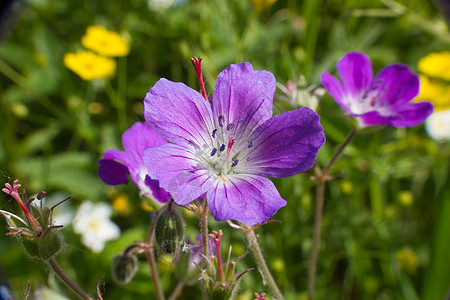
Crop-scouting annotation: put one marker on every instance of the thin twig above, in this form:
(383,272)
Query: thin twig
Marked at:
(321,181)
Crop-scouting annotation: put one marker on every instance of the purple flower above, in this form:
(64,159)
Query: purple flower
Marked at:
(135,140)
(384,100)
(225,151)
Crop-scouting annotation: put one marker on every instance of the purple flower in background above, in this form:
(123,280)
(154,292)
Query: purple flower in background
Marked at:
(225,151)
(117,164)
(383,100)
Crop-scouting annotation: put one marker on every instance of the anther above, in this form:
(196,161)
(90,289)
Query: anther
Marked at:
(213,151)
(222,147)
(241,121)
(230,126)
(234,164)
(221,120)
(214,133)
(250,143)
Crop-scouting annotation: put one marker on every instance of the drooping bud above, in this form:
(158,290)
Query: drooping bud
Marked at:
(169,230)
(123,268)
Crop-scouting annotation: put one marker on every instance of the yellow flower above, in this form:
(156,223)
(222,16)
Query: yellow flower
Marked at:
(263,4)
(435,91)
(121,204)
(436,65)
(406,198)
(105,42)
(89,65)
(407,260)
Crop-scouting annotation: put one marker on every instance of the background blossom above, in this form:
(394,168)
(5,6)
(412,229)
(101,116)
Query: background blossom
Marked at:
(93,223)
(90,66)
(105,42)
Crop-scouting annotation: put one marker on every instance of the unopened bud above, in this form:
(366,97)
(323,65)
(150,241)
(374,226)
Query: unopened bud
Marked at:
(123,268)
(30,245)
(169,231)
(50,243)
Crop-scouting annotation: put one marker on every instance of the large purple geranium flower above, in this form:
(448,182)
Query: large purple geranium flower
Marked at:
(225,151)
(383,100)
(116,165)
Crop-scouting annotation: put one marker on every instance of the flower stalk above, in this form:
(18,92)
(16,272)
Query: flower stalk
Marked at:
(152,261)
(58,271)
(322,178)
(250,236)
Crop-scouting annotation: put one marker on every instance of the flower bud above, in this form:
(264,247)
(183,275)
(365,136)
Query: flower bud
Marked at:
(123,268)
(50,243)
(169,231)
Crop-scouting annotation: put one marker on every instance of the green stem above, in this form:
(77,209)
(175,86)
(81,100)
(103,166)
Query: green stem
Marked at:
(151,260)
(119,105)
(260,261)
(58,271)
(204,226)
(322,178)
(177,291)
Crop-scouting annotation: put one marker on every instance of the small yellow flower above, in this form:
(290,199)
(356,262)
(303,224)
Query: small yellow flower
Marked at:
(121,204)
(435,91)
(436,65)
(89,65)
(406,198)
(105,42)
(407,260)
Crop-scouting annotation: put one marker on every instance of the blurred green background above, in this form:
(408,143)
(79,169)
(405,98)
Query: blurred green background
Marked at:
(386,228)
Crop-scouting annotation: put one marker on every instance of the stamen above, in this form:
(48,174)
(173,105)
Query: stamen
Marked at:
(213,151)
(230,144)
(234,164)
(214,133)
(221,120)
(250,143)
(223,178)
(230,126)
(241,121)
(222,147)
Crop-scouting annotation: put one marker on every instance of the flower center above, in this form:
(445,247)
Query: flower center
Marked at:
(222,156)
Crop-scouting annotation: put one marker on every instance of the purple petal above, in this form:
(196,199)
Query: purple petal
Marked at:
(407,115)
(177,171)
(397,84)
(335,89)
(412,114)
(178,113)
(284,145)
(160,194)
(355,70)
(138,138)
(243,97)
(112,172)
(248,199)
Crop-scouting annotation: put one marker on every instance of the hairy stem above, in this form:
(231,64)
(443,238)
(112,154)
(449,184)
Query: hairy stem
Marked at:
(204,226)
(58,271)
(177,291)
(152,261)
(262,266)
(321,181)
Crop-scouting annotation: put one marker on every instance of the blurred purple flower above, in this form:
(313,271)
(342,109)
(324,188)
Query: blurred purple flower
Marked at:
(117,164)
(383,100)
(225,151)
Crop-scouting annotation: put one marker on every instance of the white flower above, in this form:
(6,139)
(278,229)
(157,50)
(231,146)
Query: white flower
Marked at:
(438,125)
(93,222)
